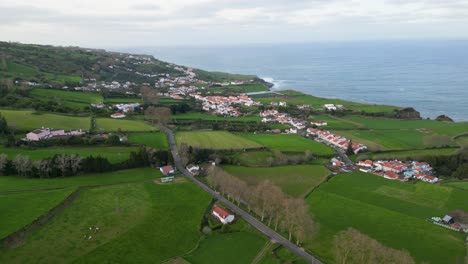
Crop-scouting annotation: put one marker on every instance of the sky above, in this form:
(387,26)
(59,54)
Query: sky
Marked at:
(143,23)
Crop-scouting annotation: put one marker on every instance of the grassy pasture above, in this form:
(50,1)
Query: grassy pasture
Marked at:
(407,154)
(293,180)
(253,158)
(236,247)
(290,143)
(12,183)
(295,98)
(205,116)
(29,120)
(155,140)
(215,140)
(431,126)
(392,212)
(335,122)
(122,100)
(29,72)
(21,209)
(460,184)
(281,256)
(138,223)
(391,139)
(81,98)
(113,154)
(112,125)
(244,88)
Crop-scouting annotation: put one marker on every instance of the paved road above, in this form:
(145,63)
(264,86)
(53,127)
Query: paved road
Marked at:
(247,217)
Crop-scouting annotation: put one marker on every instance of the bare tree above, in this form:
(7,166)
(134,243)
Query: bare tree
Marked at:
(149,95)
(184,154)
(75,163)
(23,165)
(44,167)
(353,247)
(158,115)
(3,162)
(63,164)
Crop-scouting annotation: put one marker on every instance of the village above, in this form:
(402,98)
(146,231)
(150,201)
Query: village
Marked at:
(398,170)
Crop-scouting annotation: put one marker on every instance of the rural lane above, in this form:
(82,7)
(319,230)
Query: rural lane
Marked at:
(246,216)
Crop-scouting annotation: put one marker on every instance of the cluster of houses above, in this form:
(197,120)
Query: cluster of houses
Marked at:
(336,140)
(49,133)
(398,170)
(273,116)
(223,105)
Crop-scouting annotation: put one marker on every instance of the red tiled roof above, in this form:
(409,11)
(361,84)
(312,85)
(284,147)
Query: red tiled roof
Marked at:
(223,213)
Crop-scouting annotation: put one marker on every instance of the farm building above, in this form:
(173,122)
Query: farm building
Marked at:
(47,133)
(223,215)
(167,170)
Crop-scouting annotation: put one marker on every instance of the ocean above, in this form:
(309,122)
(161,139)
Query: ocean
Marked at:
(431,76)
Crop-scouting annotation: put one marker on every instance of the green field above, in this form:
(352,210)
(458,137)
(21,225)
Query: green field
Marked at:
(112,125)
(214,140)
(290,143)
(294,180)
(295,98)
(69,98)
(334,122)
(11,183)
(205,116)
(281,255)
(244,88)
(378,140)
(138,223)
(113,154)
(21,209)
(392,212)
(231,248)
(429,126)
(460,184)
(407,154)
(29,72)
(155,140)
(122,100)
(28,120)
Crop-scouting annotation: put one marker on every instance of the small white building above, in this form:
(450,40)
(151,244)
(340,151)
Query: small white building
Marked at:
(193,169)
(47,133)
(223,215)
(330,107)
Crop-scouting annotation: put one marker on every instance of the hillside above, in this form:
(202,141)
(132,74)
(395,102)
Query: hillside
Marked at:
(71,65)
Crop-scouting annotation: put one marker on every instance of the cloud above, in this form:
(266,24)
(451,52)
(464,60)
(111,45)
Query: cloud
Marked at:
(159,22)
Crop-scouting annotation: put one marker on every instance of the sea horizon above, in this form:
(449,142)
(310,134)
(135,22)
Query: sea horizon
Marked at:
(429,75)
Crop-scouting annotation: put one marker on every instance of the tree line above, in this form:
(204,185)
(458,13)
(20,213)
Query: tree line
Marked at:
(354,247)
(66,165)
(268,202)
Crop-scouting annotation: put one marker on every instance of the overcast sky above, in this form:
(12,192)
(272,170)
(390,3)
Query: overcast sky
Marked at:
(119,23)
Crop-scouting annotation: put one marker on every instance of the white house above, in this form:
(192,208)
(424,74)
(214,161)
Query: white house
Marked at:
(223,215)
(193,169)
(330,107)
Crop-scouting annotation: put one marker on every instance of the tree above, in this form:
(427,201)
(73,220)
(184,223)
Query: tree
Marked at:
(158,115)
(113,140)
(3,163)
(44,168)
(62,162)
(353,247)
(349,150)
(184,154)
(149,95)
(3,125)
(23,165)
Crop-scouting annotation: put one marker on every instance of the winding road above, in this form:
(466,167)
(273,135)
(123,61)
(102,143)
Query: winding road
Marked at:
(246,216)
